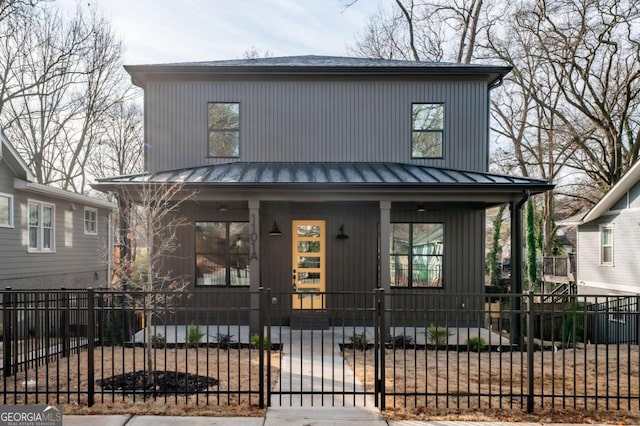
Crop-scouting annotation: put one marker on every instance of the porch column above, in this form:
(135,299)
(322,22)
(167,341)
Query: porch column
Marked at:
(385,249)
(515,209)
(254,265)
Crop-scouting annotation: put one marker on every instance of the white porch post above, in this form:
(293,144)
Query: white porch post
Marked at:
(254,265)
(385,249)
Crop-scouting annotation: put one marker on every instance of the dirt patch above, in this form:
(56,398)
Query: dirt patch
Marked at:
(568,384)
(65,381)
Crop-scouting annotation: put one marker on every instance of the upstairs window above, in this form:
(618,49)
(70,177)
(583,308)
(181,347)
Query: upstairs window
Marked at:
(6,210)
(416,254)
(90,221)
(222,253)
(427,130)
(41,226)
(224,129)
(606,245)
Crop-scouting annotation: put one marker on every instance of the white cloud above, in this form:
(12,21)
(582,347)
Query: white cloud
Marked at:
(160,31)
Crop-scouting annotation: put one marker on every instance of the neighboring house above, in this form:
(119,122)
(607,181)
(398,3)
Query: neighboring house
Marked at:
(609,240)
(319,174)
(49,238)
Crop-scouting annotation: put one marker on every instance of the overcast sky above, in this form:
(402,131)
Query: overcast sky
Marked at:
(163,31)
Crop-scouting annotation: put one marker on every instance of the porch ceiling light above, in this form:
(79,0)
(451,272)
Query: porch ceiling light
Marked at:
(223,208)
(420,208)
(341,235)
(275,230)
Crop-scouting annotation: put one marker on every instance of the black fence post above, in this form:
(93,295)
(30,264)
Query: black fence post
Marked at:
(269,303)
(380,370)
(64,323)
(530,350)
(261,307)
(7,335)
(91,324)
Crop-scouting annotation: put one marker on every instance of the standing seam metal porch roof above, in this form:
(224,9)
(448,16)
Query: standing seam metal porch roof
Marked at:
(310,174)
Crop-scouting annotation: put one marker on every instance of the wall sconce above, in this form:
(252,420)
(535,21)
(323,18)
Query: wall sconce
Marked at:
(341,235)
(275,230)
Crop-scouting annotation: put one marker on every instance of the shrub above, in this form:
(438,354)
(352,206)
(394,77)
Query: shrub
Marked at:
(113,332)
(158,341)
(573,327)
(255,341)
(476,344)
(194,335)
(1,331)
(359,341)
(438,336)
(224,341)
(400,341)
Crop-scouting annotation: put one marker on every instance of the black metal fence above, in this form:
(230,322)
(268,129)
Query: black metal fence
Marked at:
(389,349)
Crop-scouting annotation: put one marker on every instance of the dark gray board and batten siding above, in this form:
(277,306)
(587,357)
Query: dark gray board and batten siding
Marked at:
(352,263)
(322,119)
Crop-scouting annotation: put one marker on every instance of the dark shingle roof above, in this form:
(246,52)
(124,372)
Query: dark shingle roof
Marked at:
(322,174)
(310,65)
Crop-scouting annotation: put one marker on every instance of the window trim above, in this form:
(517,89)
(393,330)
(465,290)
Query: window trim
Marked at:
(227,283)
(95,220)
(10,224)
(210,129)
(410,285)
(40,238)
(609,227)
(441,131)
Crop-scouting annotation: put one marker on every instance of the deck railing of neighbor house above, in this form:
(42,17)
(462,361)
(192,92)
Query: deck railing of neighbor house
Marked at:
(403,348)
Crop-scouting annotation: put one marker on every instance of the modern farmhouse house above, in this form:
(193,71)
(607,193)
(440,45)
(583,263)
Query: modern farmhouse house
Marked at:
(50,238)
(322,174)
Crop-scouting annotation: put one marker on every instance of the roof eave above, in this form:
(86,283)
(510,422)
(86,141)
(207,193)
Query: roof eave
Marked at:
(618,190)
(37,188)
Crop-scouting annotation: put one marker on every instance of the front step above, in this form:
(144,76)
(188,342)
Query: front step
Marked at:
(309,320)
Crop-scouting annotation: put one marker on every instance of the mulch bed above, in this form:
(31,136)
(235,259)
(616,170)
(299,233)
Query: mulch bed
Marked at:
(163,382)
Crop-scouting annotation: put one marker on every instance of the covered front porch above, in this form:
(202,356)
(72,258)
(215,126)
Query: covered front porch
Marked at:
(311,228)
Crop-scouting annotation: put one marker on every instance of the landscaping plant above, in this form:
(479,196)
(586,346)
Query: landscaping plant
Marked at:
(438,336)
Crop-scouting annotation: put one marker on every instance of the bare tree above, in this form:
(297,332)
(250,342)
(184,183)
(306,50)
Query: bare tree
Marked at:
(154,218)
(118,150)
(58,77)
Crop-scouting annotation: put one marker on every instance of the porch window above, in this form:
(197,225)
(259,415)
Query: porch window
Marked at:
(6,210)
(416,254)
(606,245)
(224,129)
(222,253)
(41,227)
(427,130)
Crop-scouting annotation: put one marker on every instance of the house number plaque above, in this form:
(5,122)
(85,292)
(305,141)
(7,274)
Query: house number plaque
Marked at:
(254,238)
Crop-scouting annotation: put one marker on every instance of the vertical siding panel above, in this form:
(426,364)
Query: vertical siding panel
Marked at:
(315,120)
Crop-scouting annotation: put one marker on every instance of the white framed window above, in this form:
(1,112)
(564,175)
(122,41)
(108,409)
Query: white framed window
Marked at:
(427,130)
(90,221)
(6,210)
(606,244)
(41,226)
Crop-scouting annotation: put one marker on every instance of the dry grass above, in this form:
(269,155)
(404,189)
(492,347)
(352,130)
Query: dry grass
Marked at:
(444,383)
(58,382)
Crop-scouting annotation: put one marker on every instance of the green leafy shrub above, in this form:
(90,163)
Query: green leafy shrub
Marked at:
(476,344)
(194,335)
(255,341)
(1,331)
(359,341)
(113,331)
(438,336)
(573,327)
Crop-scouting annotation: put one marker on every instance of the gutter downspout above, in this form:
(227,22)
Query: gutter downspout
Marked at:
(493,85)
(516,268)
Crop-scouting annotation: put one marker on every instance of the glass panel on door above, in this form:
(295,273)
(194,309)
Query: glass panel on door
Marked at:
(308,264)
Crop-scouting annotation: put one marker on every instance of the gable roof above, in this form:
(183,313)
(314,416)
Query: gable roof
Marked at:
(630,178)
(313,65)
(25,180)
(11,156)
